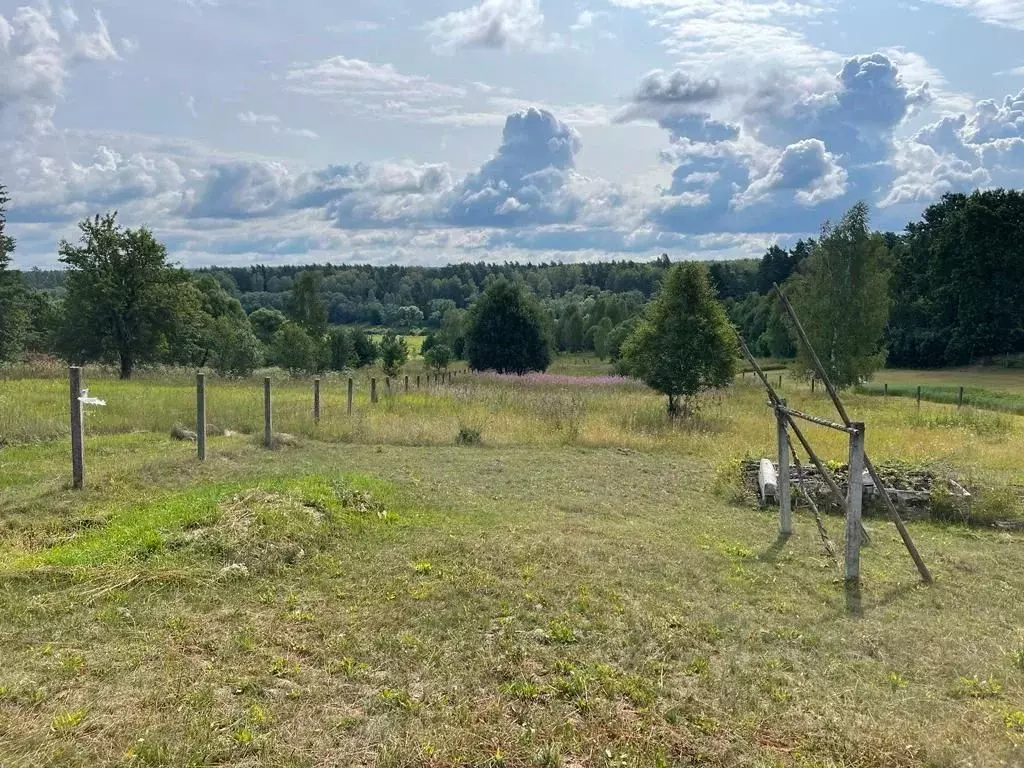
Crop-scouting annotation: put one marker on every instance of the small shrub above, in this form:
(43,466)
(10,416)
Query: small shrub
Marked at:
(469,435)
(560,632)
(974,687)
(521,689)
(67,720)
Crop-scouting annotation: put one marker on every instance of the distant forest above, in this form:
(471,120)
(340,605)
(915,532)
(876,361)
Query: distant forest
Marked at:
(956,289)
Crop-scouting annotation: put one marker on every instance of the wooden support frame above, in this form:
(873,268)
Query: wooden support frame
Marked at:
(890,507)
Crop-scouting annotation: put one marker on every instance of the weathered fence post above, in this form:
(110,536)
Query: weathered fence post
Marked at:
(350,387)
(77,433)
(268,416)
(919,397)
(813,380)
(785,503)
(316,400)
(417,382)
(201,415)
(373,390)
(960,399)
(885,390)
(780,380)
(854,502)
(407,384)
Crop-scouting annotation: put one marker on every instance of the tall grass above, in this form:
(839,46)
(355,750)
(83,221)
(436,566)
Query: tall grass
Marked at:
(595,411)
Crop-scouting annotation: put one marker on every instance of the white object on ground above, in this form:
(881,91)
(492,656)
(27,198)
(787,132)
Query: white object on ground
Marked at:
(768,479)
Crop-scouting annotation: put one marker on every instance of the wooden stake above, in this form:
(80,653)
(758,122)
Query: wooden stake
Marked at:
(960,399)
(919,397)
(854,503)
(785,503)
(417,382)
(890,507)
(77,432)
(268,416)
(201,415)
(373,390)
(885,392)
(316,401)
(350,388)
(407,384)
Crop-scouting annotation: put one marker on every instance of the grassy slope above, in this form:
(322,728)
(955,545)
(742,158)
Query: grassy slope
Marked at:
(542,604)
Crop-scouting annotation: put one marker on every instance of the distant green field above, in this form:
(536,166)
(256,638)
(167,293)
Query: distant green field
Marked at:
(997,389)
(415,342)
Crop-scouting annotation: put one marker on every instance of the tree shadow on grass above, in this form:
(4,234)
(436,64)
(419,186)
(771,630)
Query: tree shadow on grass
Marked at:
(771,554)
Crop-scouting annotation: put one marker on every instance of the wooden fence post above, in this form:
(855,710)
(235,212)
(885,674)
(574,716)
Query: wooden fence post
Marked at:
(780,380)
(77,433)
(785,503)
(373,390)
(919,397)
(350,387)
(268,416)
(813,380)
(407,384)
(960,399)
(201,415)
(316,400)
(854,502)
(885,390)
(417,382)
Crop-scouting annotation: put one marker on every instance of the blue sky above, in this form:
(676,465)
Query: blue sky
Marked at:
(433,131)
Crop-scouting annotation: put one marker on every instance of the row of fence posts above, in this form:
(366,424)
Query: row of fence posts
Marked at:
(885,390)
(78,431)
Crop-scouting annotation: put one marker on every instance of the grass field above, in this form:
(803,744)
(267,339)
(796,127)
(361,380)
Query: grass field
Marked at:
(998,389)
(585,587)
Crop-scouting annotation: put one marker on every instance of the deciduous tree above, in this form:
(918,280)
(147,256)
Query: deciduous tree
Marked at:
(124,300)
(842,297)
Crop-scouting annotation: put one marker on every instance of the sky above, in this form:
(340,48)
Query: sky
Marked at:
(436,131)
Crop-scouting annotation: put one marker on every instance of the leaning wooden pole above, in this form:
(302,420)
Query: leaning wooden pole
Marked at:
(894,514)
(776,402)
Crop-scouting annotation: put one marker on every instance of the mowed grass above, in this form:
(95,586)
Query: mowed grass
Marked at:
(583,588)
(998,389)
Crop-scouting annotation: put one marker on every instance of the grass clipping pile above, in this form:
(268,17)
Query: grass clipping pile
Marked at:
(920,493)
(261,531)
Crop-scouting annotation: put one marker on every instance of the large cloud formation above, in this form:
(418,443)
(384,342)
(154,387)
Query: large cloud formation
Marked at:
(35,61)
(526,182)
(780,155)
(960,152)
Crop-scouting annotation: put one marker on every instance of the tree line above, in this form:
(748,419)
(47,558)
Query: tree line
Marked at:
(946,291)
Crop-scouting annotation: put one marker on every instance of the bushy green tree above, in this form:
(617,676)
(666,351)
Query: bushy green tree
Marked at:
(438,357)
(394,353)
(14,319)
(228,343)
(294,350)
(506,331)
(339,344)
(841,295)
(124,300)
(306,305)
(684,344)
(364,350)
(265,323)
